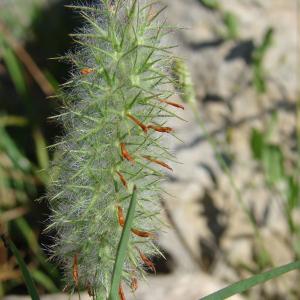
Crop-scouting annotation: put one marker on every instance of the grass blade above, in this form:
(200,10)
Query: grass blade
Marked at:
(25,272)
(248,283)
(44,280)
(14,68)
(122,249)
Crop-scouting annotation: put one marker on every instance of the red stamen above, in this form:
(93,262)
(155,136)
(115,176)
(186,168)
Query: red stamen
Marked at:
(161,163)
(75,270)
(86,71)
(138,122)
(137,232)
(147,261)
(121,218)
(134,284)
(160,129)
(172,103)
(141,233)
(125,153)
(121,293)
(122,178)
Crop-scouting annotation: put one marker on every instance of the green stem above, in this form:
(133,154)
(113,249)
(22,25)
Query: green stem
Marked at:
(122,249)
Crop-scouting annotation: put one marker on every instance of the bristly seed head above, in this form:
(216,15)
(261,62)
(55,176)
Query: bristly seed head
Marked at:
(112,108)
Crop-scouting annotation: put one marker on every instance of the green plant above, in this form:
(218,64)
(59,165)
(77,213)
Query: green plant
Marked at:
(115,109)
(272,159)
(280,179)
(211,4)
(22,11)
(258,58)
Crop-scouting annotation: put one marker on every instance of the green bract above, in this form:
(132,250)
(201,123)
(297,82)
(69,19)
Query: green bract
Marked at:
(114,116)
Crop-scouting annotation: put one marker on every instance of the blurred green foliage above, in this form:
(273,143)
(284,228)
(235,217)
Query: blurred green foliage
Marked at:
(281,179)
(25,133)
(211,4)
(258,57)
(19,15)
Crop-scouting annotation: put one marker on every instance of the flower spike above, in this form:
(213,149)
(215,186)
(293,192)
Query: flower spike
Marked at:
(114,104)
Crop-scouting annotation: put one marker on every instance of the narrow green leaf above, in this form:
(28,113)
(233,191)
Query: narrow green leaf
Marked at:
(293,192)
(248,283)
(25,272)
(32,242)
(8,145)
(272,160)
(232,25)
(15,69)
(122,249)
(257,142)
(211,4)
(13,121)
(45,281)
(41,149)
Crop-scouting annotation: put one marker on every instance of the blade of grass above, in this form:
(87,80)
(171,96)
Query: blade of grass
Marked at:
(248,283)
(25,272)
(45,281)
(13,121)
(8,146)
(14,68)
(41,149)
(27,61)
(33,244)
(122,249)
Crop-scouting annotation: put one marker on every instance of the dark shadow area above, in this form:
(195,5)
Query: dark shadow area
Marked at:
(212,98)
(284,105)
(242,50)
(213,216)
(206,44)
(51,29)
(163,265)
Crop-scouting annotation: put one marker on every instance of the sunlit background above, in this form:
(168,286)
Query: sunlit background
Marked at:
(233,203)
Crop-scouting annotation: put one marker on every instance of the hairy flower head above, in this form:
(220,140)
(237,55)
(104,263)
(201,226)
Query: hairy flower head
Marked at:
(115,112)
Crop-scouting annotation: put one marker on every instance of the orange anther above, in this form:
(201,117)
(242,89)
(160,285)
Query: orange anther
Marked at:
(134,284)
(121,218)
(137,232)
(125,153)
(122,178)
(172,103)
(138,122)
(86,71)
(147,261)
(121,293)
(160,129)
(75,269)
(141,233)
(161,163)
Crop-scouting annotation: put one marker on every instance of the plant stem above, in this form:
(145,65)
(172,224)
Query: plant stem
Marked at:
(122,249)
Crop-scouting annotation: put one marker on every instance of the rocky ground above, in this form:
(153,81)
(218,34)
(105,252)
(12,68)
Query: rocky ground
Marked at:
(213,243)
